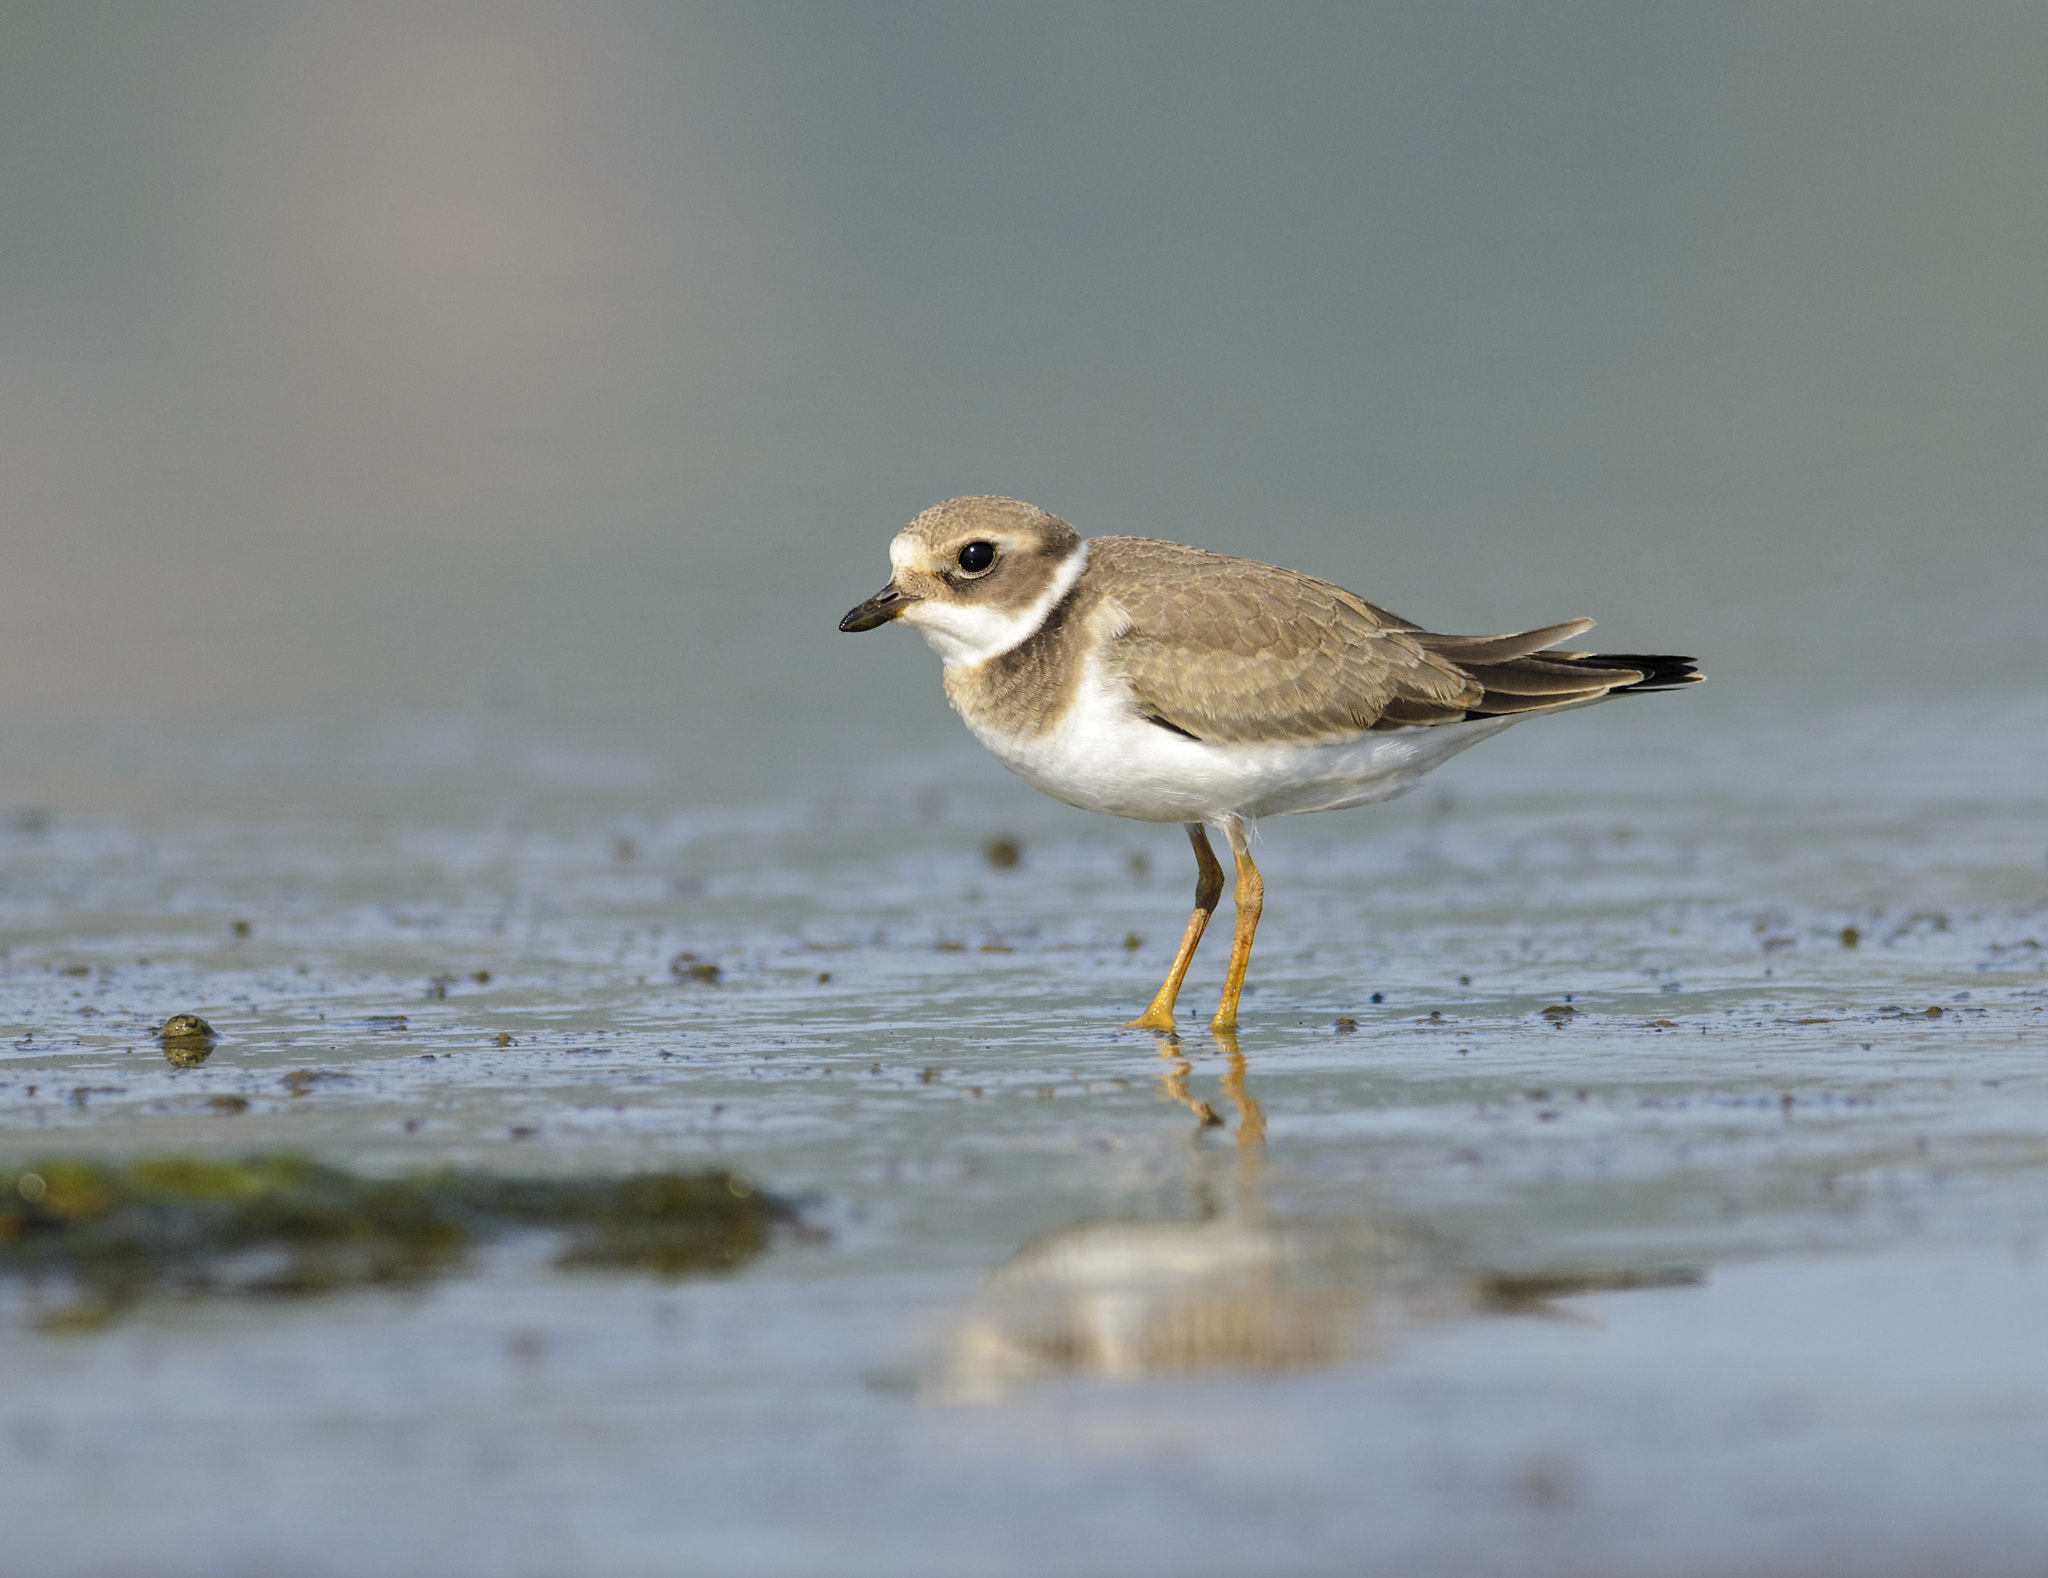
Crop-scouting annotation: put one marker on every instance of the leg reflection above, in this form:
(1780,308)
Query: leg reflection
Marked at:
(1173,1081)
(1251,1122)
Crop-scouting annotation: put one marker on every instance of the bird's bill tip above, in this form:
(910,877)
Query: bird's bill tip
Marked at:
(884,606)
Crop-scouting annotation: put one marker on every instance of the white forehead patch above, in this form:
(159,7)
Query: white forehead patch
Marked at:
(966,634)
(907,553)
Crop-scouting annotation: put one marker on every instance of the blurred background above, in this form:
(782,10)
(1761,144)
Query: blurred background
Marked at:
(572,366)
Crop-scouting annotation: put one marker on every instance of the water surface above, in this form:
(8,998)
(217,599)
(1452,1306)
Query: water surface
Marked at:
(1634,1158)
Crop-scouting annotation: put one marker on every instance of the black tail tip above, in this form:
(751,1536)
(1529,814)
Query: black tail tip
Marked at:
(1660,670)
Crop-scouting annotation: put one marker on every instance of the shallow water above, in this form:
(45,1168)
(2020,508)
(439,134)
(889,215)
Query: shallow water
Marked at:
(1634,1158)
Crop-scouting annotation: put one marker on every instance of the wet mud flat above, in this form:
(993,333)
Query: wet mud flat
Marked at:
(1621,1179)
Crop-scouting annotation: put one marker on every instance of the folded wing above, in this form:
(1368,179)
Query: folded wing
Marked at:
(1237,652)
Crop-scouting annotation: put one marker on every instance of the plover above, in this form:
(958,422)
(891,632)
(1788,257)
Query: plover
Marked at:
(1170,684)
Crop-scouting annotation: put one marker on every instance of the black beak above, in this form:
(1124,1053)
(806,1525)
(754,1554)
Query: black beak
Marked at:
(884,606)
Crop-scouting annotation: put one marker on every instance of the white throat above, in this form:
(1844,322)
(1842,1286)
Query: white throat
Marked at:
(964,635)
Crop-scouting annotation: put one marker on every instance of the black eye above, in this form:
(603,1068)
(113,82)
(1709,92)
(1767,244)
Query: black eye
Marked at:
(977,556)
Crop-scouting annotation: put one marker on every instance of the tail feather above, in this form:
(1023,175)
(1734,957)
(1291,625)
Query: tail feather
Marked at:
(1467,650)
(1495,703)
(1525,672)
(1539,677)
(1660,671)
(1566,679)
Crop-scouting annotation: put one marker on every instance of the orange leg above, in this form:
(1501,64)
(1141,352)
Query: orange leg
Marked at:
(1208,891)
(1250,898)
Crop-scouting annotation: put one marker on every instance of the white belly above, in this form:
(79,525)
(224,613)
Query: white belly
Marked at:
(1102,756)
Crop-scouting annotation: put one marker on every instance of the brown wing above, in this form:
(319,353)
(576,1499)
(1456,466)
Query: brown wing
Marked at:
(1239,652)
(1229,650)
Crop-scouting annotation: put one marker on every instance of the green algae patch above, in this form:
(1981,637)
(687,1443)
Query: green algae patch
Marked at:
(187,1040)
(99,1235)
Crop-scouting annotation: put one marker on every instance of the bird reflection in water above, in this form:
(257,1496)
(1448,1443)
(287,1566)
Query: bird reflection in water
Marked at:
(1231,1289)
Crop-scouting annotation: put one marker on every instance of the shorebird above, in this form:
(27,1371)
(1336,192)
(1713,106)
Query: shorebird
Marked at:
(1170,684)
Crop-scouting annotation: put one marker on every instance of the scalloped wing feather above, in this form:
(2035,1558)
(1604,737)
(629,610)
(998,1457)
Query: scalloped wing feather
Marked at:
(1238,652)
